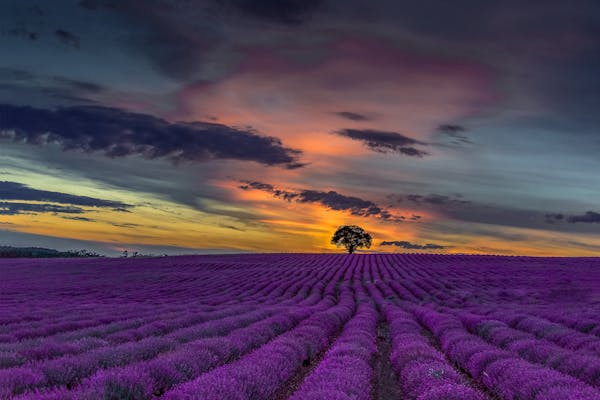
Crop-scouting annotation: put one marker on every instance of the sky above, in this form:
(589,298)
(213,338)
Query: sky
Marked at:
(208,126)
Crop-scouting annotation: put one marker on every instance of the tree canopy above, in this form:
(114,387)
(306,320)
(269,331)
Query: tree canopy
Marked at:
(352,237)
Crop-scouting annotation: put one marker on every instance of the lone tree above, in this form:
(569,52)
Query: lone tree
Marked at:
(351,237)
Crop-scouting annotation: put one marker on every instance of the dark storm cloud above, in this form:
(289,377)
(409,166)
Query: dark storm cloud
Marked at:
(412,246)
(488,22)
(385,142)
(18,191)
(118,133)
(176,54)
(67,38)
(281,11)
(330,199)
(175,30)
(10,208)
(590,217)
(177,35)
(352,116)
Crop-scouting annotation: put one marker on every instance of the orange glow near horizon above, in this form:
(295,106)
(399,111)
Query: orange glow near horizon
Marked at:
(275,115)
(307,228)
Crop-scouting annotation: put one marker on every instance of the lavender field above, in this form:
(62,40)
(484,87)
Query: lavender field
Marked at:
(301,327)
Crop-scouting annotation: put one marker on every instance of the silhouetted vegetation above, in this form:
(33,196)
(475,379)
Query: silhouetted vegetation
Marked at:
(352,237)
(40,252)
(137,254)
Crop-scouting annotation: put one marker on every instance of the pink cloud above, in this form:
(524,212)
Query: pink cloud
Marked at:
(400,90)
(407,92)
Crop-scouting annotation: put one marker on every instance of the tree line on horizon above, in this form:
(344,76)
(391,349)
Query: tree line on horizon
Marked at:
(41,252)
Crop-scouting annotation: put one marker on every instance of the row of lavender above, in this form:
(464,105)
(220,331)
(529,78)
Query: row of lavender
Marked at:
(243,327)
(271,305)
(512,360)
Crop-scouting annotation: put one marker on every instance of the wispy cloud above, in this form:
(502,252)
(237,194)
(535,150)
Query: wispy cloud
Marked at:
(385,142)
(19,191)
(353,116)
(456,134)
(15,208)
(433,199)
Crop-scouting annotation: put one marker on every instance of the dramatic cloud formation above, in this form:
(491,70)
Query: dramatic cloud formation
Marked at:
(331,200)
(385,142)
(10,208)
(412,246)
(589,217)
(18,191)
(425,101)
(118,133)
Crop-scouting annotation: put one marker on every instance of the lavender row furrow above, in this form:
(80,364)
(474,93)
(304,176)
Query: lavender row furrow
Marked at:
(301,326)
(70,370)
(60,345)
(345,372)
(259,374)
(191,360)
(422,371)
(582,365)
(502,372)
(550,331)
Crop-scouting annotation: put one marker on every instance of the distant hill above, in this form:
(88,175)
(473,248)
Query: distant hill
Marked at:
(40,252)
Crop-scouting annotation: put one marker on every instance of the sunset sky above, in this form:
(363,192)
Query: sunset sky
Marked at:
(179,126)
